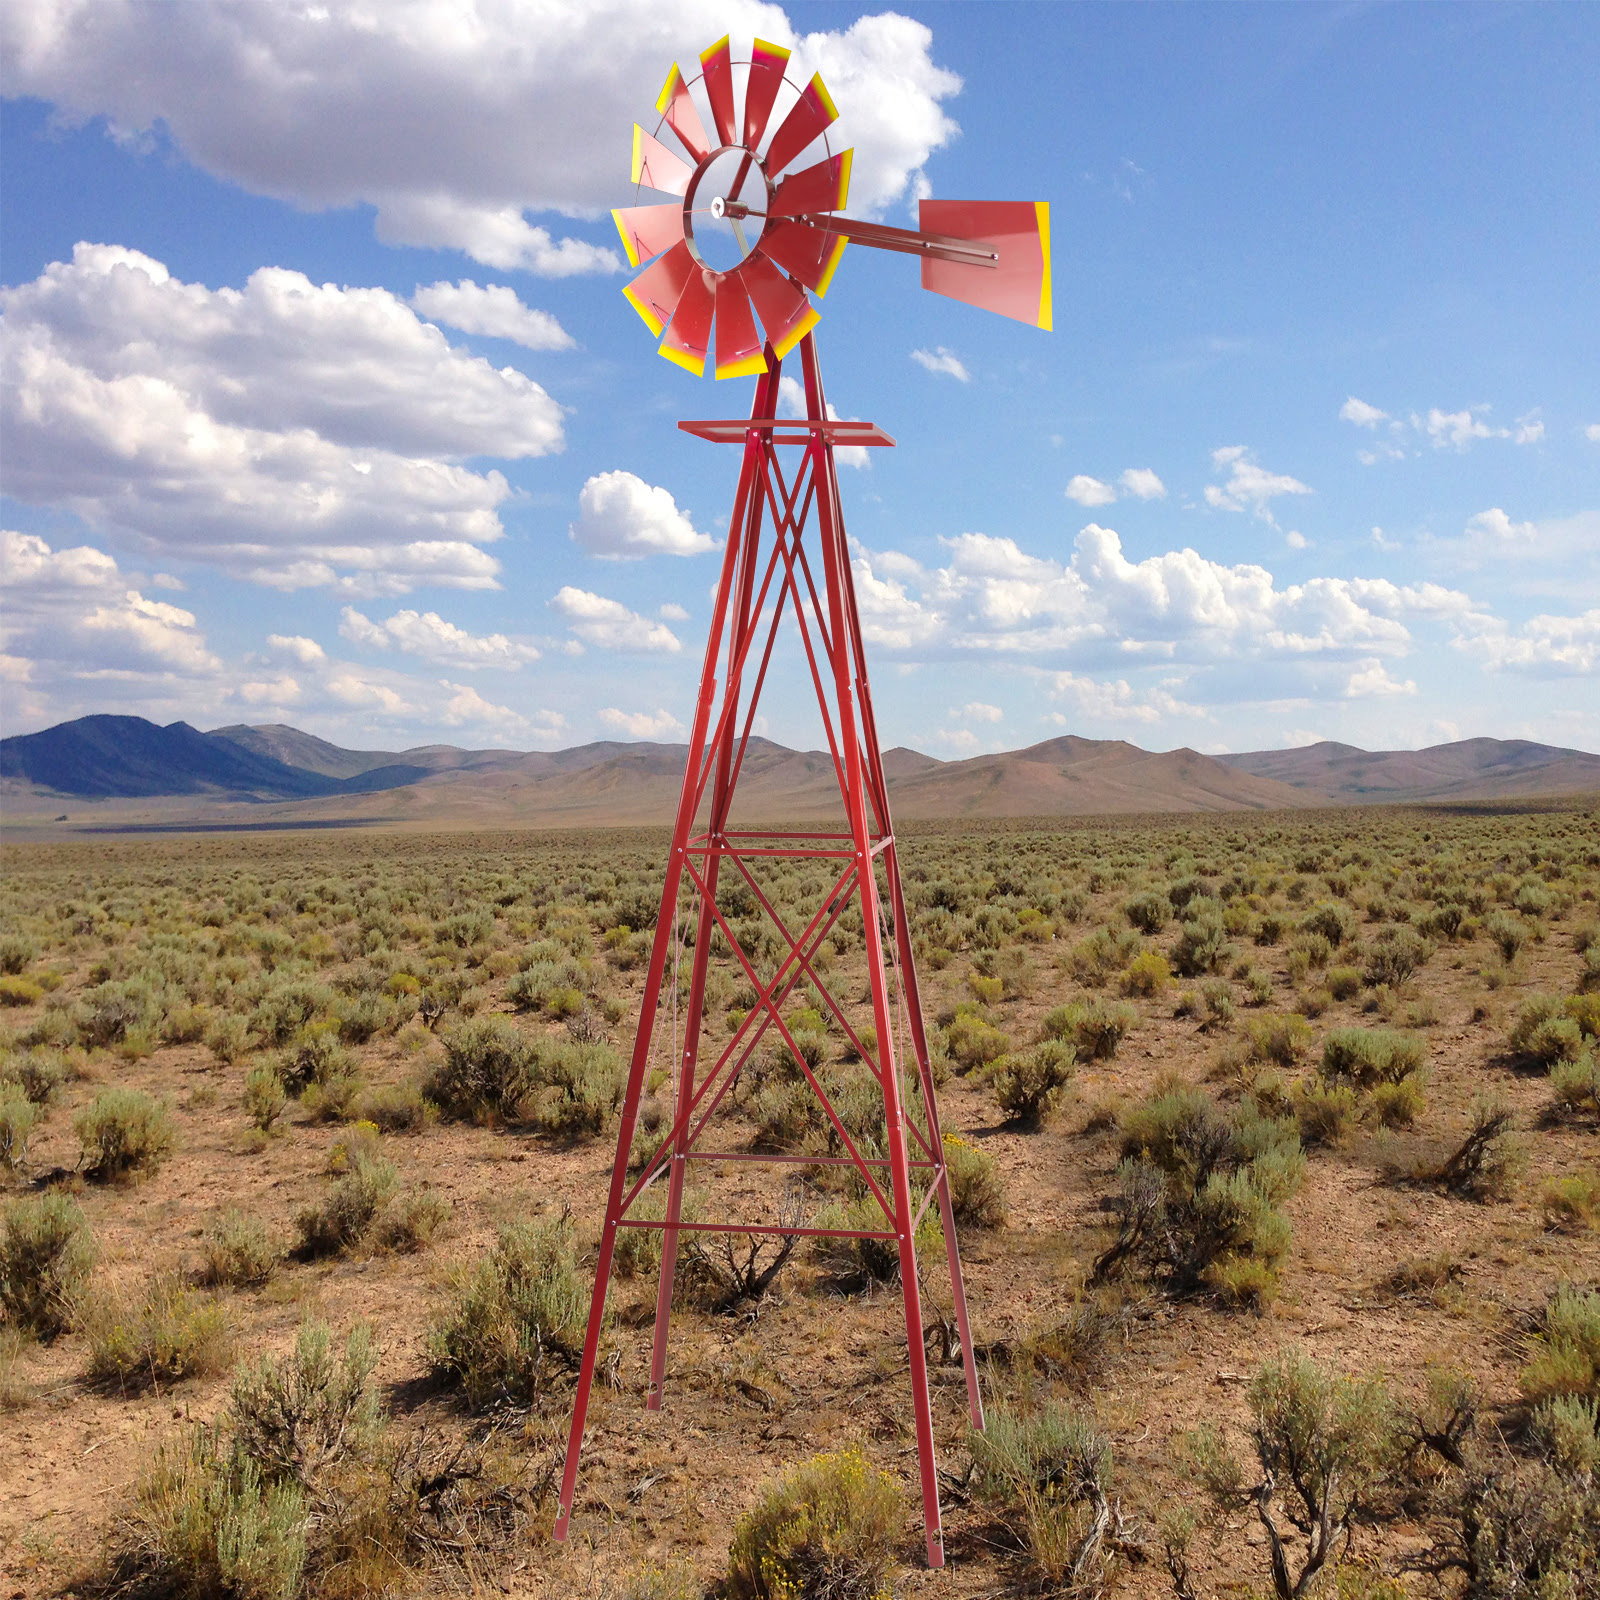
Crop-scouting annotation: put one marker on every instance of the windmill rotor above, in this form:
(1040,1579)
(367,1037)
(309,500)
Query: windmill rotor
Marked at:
(993,254)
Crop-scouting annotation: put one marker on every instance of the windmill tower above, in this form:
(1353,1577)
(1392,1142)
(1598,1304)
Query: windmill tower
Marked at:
(747,239)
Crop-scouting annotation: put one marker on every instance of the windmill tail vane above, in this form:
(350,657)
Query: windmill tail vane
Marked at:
(728,269)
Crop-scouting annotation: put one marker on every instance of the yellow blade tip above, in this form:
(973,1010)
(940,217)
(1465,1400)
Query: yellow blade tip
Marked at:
(798,332)
(1042,210)
(745,367)
(845,159)
(627,239)
(824,97)
(651,320)
(834,257)
(777,51)
(685,359)
(638,152)
(717,48)
(664,99)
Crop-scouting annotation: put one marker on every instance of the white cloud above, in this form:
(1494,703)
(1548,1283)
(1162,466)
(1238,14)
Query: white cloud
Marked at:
(1296,540)
(295,435)
(74,610)
(1529,429)
(792,403)
(494,310)
(1387,545)
(992,596)
(942,361)
(1097,700)
(1249,486)
(466,705)
(623,518)
(1592,433)
(284,690)
(977,711)
(610,624)
(306,651)
(1544,645)
(1370,679)
(1089,491)
(451,121)
(642,724)
(672,612)
(1455,430)
(428,636)
(1360,413)
(1142,484)
(1495,524)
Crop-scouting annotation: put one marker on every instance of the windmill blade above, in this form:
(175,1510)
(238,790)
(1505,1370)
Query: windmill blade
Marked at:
(717,67)
(675,105)
(739,352)
(809,253)
(767,62)
(648,230)
(824,187)
(1018,231)
(785,312)
(656,167)
(655,293)
(809,115)
(689,336)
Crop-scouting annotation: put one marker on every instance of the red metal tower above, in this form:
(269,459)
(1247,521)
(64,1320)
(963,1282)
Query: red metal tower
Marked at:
(785,523)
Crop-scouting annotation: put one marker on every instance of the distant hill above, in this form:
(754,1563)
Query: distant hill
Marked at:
(279,773)
(1469,769)
(129,757)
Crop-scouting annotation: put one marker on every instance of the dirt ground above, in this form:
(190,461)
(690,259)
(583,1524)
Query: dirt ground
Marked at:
(813,1369)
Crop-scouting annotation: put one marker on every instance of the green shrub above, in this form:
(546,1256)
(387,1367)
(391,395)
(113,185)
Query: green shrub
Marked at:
(1394,955)
(1575,1085)
(294,1418)
(1202,945)
(1565,1352)
(515,1324)
(16,991)
(1201,1194)
(1050,1473)
(973,1042)
(1149,913)
(17,953)
(18,1118)
(858,1263)
(287,1007)
(238,1251)
(1280,1039)
(1104,952)
(1370,1056)
(1095,1028)
(398,1108)
(264,1096)
(227,1037)
(344,1218)
(1332,921)
(410,1223)
(1567,1428)
(826,1530)
(490,1069)
(1327,1113)
(1398,1105)
(977,1191)
(1508,934)
(123,1132)
(1217,995)
(46,1256)
(169,1333)
(1028,1084)
(37,1073)
(1544,1032)
(1147,975)
(1570,1204)
(1344,983)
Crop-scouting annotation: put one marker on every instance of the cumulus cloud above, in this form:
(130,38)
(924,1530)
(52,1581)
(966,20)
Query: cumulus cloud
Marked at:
(453,122)
(1370,679)
(977,711)
(673,612)
(306,651)
(467,705)
(1089,491)
(608,623)
(642,724)
(623,518)
(1529,429)
(942,361)
(1592,433)
(494,310)
(1142,484)
(1495,524)
(1360,413)
(1455,430)
(1177,606)
(1546,646)
(1250,487)
(1098,700)
(428,636)
(296,435)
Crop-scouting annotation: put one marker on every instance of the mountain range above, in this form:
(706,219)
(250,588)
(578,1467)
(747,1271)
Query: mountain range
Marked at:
(275,774)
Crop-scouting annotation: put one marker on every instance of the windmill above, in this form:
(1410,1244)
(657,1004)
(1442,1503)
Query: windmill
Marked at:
(736,257)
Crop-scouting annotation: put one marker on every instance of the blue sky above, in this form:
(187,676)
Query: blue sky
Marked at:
(1312,451)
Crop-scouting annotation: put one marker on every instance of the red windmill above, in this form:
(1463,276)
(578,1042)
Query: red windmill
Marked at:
(993,254)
